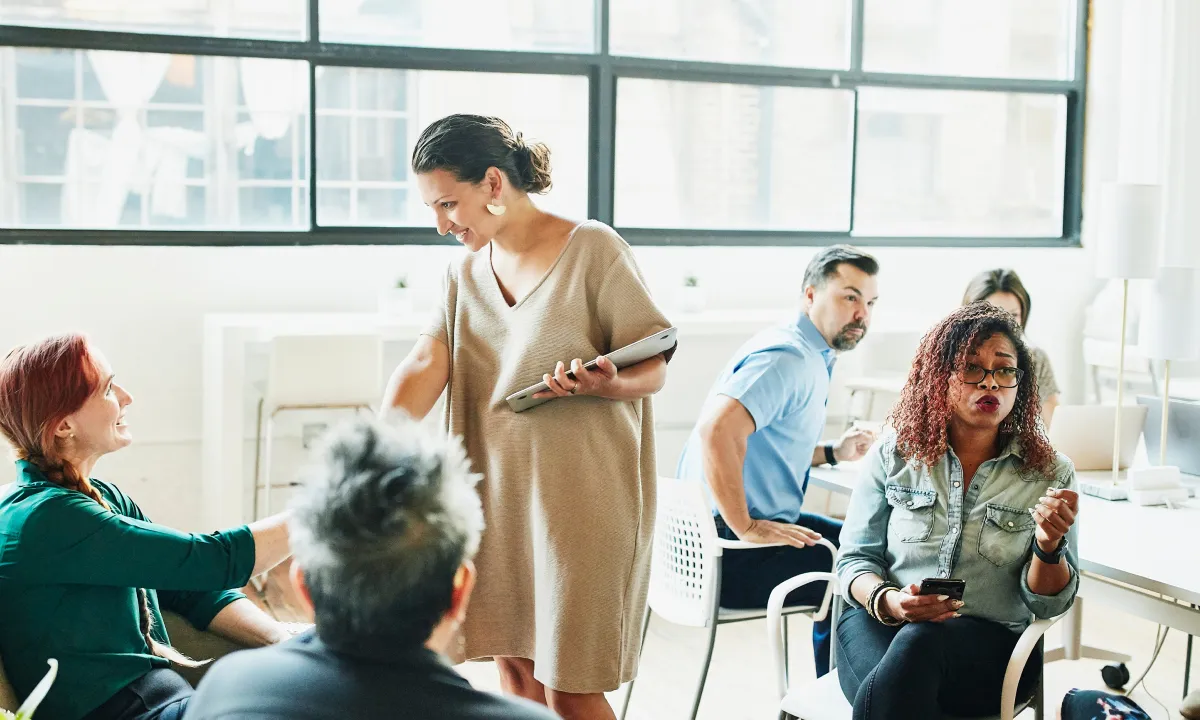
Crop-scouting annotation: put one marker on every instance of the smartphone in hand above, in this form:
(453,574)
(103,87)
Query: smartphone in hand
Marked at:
(944,586)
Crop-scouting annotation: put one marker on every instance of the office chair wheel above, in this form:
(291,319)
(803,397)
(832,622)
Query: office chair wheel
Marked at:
(1115,676)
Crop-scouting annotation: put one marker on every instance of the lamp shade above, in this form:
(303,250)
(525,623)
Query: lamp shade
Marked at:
(1130,231)
(1170,324)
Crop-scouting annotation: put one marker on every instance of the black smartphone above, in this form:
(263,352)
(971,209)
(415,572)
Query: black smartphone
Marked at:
(944,586)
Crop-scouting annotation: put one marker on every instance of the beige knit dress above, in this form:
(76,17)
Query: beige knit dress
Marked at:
(569,486)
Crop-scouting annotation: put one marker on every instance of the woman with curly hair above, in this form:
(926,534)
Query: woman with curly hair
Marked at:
(965,486)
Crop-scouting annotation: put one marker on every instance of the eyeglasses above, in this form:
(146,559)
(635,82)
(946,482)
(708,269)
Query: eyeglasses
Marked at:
(1006,377)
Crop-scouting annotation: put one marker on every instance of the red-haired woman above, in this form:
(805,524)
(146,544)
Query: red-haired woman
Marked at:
(966,487)
(83,572)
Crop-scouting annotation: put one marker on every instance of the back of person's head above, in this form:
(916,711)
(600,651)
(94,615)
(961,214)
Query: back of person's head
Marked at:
(826,262)
(467,145)
(388,515)
(1000,280)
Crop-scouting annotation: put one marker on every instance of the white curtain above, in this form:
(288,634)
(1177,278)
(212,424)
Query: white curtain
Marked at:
(102,170)
(1143,122)
(276,93)
(1181,133)
(129,80)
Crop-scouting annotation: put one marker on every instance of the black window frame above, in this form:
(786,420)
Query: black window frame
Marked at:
(602,69)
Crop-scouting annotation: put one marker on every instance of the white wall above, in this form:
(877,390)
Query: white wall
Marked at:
(144,308)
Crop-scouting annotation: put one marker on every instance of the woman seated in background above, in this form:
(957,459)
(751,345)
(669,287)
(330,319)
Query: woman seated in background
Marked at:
(1004,289)
(966,486)
(83,571)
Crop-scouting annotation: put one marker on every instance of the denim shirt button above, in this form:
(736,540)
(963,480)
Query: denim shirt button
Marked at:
(1010,524)
(957,483)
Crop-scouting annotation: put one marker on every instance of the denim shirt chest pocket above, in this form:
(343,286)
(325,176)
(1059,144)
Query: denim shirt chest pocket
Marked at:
(1006,534)
(911,518)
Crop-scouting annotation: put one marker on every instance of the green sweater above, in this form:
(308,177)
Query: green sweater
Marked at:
(69,570)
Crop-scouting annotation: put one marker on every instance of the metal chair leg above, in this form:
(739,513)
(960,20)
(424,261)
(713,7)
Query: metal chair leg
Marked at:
(268,442)
(1039,694)
(712,639)
(786,652)
(629,690)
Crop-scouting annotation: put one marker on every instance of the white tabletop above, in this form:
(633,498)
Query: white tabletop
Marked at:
(1154,548)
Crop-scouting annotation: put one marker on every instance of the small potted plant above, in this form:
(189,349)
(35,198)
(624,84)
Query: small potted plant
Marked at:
(691,297)
(396,301)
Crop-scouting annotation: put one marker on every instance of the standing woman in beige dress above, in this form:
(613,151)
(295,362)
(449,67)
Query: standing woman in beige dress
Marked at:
(569,486)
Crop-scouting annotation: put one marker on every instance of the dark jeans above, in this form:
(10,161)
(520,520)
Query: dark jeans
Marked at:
(956,667)
(749,576)
(160,694)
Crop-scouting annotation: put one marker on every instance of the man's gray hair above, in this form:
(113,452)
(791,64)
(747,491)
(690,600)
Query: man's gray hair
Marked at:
(388,513)
(826,262)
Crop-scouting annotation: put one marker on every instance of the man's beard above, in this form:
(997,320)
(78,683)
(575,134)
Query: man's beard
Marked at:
(845,341)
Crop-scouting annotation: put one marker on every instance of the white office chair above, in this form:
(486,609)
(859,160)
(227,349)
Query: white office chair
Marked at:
(685,572)
(823,699)
(315,372)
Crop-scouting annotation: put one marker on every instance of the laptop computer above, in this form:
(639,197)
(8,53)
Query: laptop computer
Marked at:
(1084,433)
(1182,431)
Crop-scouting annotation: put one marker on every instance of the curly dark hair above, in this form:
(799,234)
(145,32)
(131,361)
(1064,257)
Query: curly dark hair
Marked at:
(922,416)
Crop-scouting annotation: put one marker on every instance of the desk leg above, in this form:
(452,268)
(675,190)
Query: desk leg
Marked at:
(1072,638)
(1187,666)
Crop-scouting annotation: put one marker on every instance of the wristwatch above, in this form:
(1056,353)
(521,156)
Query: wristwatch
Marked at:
(1050,558)
(829,456)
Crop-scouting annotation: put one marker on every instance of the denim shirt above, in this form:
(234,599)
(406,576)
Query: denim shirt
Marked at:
(907,522)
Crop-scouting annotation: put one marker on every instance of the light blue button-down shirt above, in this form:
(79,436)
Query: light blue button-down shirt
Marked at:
(781,376)
(907,523)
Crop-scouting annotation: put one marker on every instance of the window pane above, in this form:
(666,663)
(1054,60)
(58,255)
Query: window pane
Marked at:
(366,133)
(101,139)
(534,25)
(704,155)
(812,33)
(935,163)
(272,19)
(973,38)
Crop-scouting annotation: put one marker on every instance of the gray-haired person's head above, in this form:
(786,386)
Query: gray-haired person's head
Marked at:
(388,514)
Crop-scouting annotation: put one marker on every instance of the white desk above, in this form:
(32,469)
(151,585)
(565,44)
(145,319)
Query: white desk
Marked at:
(228,406)
(1128,555)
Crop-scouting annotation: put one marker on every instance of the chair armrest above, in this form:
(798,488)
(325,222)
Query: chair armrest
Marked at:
(1017,661)
(743,545)
(196,644)
(775,619)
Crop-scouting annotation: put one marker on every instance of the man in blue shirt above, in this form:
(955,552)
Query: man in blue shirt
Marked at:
(760,431)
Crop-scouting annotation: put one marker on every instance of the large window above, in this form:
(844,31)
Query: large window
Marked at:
(719,122)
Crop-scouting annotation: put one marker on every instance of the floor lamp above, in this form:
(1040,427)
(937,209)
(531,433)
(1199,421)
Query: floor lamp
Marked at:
(1130,231)
(1168,331)
(1126,249)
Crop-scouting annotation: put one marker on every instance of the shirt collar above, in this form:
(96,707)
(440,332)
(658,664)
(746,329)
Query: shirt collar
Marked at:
(1012,448)
(813,337)
(29,474)
(377,649)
